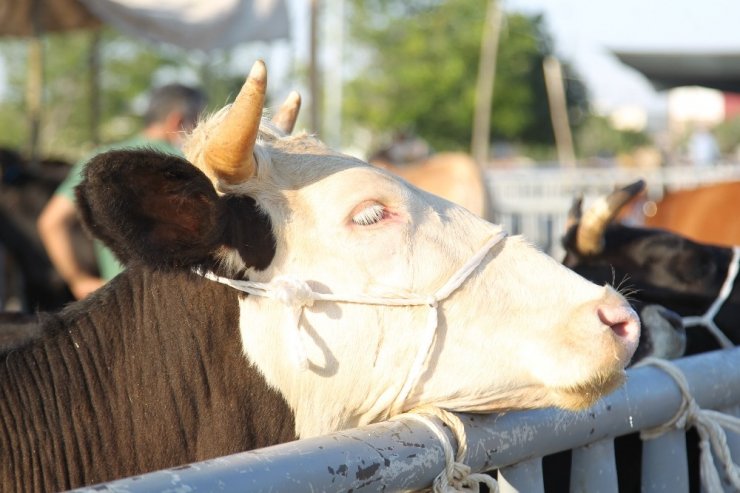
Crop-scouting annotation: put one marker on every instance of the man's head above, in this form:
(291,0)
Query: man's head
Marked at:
(172,109)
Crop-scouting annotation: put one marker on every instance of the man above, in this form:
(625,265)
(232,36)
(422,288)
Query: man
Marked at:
(173,109)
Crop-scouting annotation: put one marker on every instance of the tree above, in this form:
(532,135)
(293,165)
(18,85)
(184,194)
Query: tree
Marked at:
(129,69)
(598,138)
(421,72)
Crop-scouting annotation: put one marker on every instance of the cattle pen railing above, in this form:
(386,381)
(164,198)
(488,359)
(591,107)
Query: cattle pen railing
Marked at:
(534,201)
(405,455)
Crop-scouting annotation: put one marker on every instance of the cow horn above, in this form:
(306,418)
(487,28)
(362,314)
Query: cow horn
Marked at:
(590,235)
(230,150)
(287,115)
(574,213)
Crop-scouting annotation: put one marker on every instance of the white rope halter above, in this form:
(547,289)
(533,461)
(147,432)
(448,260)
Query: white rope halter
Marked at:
(296,294)
(709,425)
(707,320)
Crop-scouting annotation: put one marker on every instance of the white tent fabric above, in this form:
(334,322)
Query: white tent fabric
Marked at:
(196,24)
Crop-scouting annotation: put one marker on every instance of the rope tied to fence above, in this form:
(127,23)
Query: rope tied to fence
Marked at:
(709,425)
(457,475)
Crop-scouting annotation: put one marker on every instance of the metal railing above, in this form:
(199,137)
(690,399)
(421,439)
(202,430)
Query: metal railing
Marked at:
(405,455)
(534,202)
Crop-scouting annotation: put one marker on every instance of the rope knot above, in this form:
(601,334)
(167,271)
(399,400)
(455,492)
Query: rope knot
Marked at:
(709,425)
(292,291)
(457,476)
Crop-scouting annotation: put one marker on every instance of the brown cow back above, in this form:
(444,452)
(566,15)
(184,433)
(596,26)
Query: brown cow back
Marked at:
(454,176)
(708,214)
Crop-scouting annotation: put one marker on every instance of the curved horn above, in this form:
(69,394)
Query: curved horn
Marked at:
(230,150)
(590,235)
(575,212)
(287,115)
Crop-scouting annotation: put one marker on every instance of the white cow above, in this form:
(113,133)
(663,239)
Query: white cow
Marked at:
(276,289)
(522,331)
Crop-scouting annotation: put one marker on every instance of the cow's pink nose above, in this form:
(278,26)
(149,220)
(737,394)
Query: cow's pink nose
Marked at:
(622,320)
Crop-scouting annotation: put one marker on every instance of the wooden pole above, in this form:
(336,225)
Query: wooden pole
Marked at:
(559,112)
(94,83)
(480,142)
(333,91)
(35,83)
(313,70)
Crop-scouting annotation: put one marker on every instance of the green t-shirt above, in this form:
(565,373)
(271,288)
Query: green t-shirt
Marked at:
(108,265)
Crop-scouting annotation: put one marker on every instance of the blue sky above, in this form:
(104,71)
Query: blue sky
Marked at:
(586,30)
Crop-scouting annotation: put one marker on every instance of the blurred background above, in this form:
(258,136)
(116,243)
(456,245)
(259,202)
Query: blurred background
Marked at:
(551,98)
(638,78)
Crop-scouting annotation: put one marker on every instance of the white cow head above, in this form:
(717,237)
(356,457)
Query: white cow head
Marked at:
(520,332)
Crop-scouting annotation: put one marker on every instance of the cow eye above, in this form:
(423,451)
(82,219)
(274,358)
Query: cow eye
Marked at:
(369,214)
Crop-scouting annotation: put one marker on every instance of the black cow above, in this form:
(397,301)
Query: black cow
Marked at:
(652,266)
(29,275)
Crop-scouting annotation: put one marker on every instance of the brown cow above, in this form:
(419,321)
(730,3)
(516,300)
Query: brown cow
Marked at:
(454,176)
(708,214)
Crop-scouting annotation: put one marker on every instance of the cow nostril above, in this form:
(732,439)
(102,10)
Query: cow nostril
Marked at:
(621,319)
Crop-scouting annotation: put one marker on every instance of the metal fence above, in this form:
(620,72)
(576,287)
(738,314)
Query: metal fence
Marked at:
(534,202)
(405,455)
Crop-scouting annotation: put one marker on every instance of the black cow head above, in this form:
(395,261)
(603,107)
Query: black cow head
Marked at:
(164,212)
(651,265)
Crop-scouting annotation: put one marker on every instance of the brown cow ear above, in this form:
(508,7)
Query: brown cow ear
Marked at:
(150,207)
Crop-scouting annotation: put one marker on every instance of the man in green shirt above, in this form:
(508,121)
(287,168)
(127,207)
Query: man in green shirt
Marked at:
(173,109)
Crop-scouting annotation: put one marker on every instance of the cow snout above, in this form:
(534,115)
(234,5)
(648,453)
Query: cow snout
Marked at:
(623,322)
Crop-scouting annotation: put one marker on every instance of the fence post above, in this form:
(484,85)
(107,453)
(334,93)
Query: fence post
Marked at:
(593,469)
(664,463)
(524,477)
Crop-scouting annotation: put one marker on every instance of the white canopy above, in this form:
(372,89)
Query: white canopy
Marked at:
(196,24)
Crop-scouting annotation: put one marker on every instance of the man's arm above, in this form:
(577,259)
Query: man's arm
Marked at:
(55,225)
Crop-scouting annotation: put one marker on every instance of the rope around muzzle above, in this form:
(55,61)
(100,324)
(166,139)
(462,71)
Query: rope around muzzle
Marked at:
(296,295)
(709,425)
(707,320)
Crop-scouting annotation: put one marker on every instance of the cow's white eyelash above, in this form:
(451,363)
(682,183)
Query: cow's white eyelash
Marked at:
(369,215)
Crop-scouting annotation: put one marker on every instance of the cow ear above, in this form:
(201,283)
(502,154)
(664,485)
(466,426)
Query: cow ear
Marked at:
(150,207)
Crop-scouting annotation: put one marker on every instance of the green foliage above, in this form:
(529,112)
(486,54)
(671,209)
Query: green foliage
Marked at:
(597,137)
(129,69)
(423,68)
(728,135)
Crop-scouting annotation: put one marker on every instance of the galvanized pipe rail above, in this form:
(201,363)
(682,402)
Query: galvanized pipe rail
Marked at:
(403,455)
